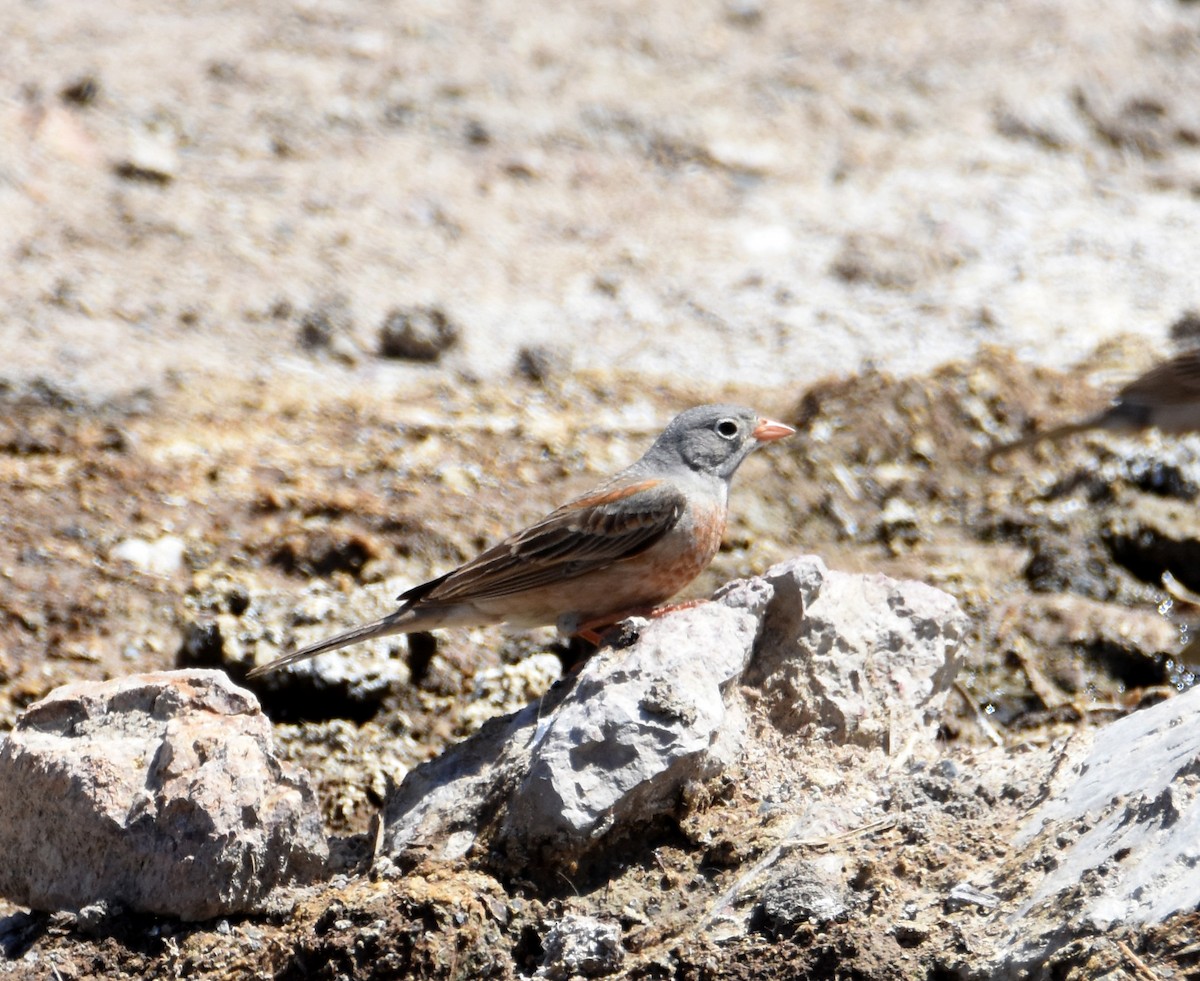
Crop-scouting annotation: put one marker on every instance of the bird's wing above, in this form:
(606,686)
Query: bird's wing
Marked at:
(589,533)
(1173,382)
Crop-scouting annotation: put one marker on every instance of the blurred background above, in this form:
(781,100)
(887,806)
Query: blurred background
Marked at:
(738,191)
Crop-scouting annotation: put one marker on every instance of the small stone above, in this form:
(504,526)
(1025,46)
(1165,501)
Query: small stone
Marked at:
(744,13)
(477,134)
(83,91)
(542,363)
(152,158)
(965,894)
(324,321)
(95,916)
(1185,331)
(804,892)
(417,334)
(582,946)
(161,557)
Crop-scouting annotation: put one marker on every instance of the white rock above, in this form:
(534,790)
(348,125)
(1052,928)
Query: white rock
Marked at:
(160,793)
(161,557)
(863,659)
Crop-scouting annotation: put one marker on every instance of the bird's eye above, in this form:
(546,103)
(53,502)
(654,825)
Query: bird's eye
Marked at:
(727,429)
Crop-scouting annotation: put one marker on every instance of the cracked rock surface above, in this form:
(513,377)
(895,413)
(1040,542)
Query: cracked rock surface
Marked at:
(157,793)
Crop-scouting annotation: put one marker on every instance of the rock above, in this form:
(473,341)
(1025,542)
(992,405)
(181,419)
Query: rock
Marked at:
(861,659)
(1116,841)
(152,157)
(543,364)
(325,323)
(160,793)
(582,946)
(417,334)
(1185,330)
(744,13)
(161,557)
(803,892)
(843,658)
(964,894)
(82,91)
(638,725)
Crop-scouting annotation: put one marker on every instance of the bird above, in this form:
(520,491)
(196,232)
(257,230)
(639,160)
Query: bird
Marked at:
(617,551)
(1167,397)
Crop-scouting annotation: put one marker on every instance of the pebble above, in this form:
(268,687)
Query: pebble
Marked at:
(161,557)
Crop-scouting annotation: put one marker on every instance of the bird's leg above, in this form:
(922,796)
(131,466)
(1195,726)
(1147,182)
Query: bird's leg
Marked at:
(590,635)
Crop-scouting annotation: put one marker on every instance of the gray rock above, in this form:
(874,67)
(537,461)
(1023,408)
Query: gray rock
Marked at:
(543,364)
(639,724)
(1118,837)
(160,793)
(582,946)
(803,891)
(617,745)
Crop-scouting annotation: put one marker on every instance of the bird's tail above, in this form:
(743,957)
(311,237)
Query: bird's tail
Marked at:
(1050,435)
(401,622)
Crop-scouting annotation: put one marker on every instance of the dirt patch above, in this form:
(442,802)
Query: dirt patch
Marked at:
(240,473)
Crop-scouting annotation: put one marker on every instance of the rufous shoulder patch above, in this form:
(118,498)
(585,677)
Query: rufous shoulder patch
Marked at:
(619,494)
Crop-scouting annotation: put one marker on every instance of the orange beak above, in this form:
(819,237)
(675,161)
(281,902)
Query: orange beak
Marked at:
(768,430)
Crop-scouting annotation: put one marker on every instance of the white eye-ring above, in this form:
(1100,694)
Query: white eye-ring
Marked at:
(727,428)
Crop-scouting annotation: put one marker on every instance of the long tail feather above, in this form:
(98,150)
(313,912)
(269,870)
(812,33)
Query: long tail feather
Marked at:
(400,622)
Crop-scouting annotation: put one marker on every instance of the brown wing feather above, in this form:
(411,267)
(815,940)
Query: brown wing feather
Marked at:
(1173,382)
(586,534)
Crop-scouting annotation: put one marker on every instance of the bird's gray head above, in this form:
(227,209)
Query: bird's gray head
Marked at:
(715,439)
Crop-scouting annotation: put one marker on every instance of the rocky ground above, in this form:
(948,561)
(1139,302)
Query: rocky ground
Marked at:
(306,303)
(1058,559)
